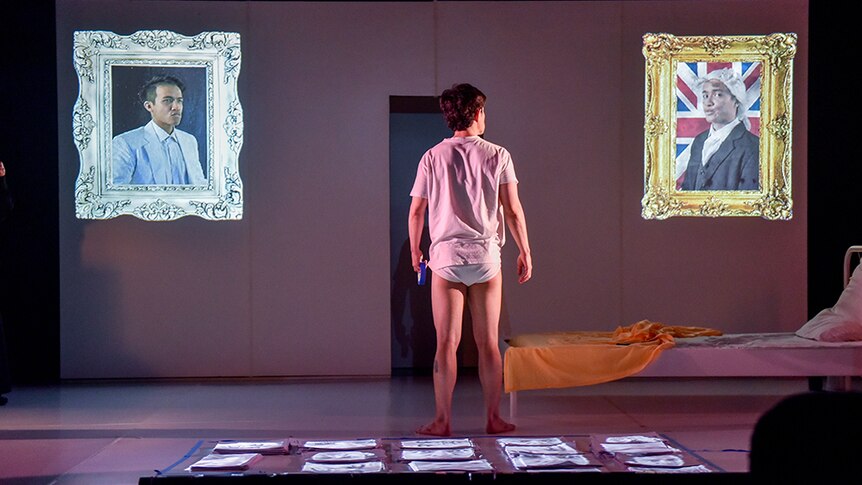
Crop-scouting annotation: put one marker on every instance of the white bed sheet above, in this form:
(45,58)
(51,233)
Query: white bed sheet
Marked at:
(757,355)
(760,340)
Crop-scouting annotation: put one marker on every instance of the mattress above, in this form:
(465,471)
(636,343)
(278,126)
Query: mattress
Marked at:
(543,363)
(757,355)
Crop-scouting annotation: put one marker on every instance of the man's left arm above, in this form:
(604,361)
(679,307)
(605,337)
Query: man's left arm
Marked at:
(193,163)
(750,174)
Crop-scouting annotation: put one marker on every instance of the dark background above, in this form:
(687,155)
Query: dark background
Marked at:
(28,146)
(29,241)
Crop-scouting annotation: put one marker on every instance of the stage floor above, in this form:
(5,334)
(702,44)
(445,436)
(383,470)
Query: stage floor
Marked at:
(116,432)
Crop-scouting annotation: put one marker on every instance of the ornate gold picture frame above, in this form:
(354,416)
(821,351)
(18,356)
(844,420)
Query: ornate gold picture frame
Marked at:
(717,126)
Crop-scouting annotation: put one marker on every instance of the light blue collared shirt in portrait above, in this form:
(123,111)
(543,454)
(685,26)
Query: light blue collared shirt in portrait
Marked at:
(150,156)
(175,171)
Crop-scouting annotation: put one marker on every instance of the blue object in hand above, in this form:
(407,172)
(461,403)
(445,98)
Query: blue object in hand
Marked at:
(421,275)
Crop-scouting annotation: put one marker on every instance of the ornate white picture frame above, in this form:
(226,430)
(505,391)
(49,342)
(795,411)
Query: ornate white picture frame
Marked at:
(109,111)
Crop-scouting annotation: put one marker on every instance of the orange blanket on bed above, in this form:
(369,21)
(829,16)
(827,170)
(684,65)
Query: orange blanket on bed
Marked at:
(569,359)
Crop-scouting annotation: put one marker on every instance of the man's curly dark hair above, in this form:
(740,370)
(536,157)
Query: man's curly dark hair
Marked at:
(460,104)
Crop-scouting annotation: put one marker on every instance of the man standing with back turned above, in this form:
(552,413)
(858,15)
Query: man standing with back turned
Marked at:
(467,185)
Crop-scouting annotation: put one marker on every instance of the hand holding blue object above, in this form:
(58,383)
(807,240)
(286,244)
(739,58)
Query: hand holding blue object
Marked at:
(420,276)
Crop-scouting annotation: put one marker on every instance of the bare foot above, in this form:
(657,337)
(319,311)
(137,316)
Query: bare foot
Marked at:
(497,425)
(435,428)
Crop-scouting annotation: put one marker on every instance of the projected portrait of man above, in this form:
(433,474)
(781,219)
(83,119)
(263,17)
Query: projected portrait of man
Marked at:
(727,155)
(158,153)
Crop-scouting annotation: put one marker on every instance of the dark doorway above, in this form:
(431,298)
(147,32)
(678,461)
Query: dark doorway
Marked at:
(415,125)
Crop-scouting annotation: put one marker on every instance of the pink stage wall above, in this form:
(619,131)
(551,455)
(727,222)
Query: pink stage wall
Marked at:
(300,286)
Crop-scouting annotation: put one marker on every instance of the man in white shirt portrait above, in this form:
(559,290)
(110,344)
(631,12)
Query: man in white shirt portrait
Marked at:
(727,155)
(158,153)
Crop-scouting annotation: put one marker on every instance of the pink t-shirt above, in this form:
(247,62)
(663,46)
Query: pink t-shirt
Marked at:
(461,178)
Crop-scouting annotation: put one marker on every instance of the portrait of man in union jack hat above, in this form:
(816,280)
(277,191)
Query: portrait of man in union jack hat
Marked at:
(718,121)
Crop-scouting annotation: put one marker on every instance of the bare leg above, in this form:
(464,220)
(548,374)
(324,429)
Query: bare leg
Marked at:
(485,300)
(447,303)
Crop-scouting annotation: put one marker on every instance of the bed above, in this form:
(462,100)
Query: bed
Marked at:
(546,361)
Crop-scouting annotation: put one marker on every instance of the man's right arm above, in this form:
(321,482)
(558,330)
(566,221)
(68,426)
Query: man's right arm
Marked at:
(123,165)
(518,227)
(415,225)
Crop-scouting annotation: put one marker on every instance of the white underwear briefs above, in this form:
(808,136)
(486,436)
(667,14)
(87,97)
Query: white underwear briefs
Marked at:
(469,274)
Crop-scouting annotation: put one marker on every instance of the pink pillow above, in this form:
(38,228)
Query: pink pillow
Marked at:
(843,322)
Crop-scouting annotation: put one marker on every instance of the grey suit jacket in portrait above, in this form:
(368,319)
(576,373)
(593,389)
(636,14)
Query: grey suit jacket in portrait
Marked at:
(735,166)
(139,158)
